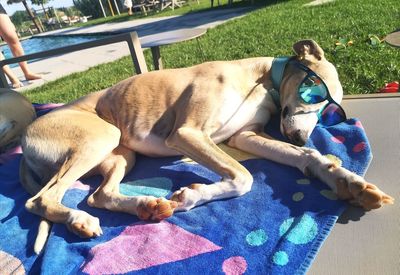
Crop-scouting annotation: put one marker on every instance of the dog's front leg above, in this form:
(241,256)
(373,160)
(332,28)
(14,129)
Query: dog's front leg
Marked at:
(347,185)
(236,180)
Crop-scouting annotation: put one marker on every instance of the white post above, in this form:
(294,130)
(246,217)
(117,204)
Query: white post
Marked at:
(102,8)
(116,6)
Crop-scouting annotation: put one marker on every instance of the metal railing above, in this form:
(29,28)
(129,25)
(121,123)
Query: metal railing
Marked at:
(131,39)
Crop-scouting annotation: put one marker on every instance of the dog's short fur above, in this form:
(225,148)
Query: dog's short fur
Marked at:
(181,111)
(16,113)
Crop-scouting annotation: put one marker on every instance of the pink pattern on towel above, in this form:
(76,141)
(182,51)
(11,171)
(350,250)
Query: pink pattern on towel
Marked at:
(338,139)
(142,246)
(234,266)
(79,185)
(359,124)
(8,155)
(359,147)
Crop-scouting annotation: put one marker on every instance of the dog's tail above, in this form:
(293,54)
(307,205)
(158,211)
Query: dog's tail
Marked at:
(33,188)
(42,236)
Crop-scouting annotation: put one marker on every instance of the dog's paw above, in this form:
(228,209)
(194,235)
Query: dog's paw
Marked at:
(156,209)
(363,194)
(187,197)
(84,225)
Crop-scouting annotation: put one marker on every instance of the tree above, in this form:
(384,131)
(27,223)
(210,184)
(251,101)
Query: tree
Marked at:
(30,13)
(19,17)
(91,7)
(41,3)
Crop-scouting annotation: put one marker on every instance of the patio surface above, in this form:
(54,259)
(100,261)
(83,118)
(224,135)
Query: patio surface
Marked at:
(361,242)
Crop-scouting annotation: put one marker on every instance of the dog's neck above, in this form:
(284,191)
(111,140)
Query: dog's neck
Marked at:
(270,73)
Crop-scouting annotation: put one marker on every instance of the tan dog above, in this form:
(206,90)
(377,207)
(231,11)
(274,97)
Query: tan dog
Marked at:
(173,112)
(16,113)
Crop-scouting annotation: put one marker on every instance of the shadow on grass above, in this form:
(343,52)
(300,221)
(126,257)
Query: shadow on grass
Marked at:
(189,9)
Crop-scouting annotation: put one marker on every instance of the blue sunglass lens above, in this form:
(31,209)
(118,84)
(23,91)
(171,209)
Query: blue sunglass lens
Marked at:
(332,114)
(312,90)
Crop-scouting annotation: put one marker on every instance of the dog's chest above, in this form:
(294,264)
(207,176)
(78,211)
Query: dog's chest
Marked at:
(237,112)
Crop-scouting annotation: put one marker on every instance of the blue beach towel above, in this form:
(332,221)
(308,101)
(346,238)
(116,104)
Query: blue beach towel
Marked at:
(277,228)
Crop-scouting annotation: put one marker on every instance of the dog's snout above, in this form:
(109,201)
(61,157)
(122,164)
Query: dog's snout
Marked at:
(298,138)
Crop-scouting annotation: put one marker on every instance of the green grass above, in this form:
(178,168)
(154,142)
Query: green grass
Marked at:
(191,6)
(270,31)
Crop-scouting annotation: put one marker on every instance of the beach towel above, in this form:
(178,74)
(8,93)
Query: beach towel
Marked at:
(276,228)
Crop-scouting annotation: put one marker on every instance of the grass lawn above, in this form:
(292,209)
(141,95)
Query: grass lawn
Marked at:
(271,31)
(192,6)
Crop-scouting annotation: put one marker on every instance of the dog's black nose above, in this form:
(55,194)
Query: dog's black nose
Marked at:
(298,138)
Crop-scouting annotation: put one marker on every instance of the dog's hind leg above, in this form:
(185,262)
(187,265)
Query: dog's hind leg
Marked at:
(74,149)
(47,203)
(33,188)
(113,169)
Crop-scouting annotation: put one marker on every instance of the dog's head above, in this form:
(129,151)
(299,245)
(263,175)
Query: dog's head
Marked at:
(298,119)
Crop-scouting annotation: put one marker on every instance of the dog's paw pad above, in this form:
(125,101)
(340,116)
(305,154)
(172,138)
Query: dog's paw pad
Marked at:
(362,194)
(84,225)
(84,231)
(156,209)
(371,198)
(188,197)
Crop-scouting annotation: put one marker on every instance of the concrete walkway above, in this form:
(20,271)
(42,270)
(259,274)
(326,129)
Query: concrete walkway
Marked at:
(56,67)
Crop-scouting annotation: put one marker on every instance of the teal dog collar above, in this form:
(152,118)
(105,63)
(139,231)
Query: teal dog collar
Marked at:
(277,69)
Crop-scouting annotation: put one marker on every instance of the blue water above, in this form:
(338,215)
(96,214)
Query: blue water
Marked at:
(39,44)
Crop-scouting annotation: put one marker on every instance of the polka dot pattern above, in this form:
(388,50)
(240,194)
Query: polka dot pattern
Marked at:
(280,258)
(234,266)
(338,139)
(303,181)
(336,160)
(256,238)
(300,230)
(359,124)
(329,194)
(298,196)
(359,147)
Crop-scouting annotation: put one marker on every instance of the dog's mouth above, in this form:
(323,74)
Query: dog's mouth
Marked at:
(297,137)
(298,126)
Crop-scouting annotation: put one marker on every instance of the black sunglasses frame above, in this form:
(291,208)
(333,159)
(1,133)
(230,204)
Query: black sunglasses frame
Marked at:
(328,95)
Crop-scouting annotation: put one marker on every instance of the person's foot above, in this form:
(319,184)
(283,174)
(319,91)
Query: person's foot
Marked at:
(15,83)
(33,76)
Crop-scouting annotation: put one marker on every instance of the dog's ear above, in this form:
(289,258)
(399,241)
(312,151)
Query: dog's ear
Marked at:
(308,49)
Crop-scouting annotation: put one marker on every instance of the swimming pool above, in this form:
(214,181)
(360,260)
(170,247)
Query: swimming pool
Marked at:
(39,44)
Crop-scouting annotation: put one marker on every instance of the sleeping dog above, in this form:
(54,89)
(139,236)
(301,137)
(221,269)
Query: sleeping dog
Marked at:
(187,112)
(16,112)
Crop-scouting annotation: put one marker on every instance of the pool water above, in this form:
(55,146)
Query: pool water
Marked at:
(39,44)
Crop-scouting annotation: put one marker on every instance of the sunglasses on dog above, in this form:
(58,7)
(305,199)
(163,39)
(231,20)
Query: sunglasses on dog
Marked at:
(313,90)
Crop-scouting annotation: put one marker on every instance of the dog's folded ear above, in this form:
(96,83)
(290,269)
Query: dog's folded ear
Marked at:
(308,49)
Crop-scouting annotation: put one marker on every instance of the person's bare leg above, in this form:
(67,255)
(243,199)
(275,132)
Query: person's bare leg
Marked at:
(9,34)
(9,73)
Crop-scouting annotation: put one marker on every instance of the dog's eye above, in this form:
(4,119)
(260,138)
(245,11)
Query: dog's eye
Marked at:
(285,112)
